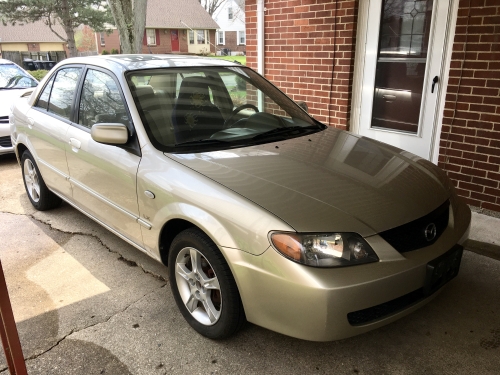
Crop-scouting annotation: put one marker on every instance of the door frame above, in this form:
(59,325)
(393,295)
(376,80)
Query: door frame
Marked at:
(359,67)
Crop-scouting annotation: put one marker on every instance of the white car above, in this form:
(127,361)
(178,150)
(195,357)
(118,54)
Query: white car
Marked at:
(15,82)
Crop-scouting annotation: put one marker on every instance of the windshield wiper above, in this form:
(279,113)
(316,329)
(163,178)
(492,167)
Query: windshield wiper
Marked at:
(207,141)
(12,88)
(286,130)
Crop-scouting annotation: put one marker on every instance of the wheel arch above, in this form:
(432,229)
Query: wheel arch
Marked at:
(167,234)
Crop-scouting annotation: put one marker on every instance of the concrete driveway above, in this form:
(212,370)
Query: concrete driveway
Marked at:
(88,303)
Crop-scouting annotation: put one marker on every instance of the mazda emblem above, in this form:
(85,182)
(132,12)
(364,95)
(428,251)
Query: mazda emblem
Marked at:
(430,232)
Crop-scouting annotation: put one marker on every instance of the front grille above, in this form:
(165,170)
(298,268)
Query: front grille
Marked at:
(4,119)
(388,308)
(5,141)
(412,236)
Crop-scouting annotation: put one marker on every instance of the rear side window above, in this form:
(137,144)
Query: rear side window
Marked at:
(101,101)
(63,91)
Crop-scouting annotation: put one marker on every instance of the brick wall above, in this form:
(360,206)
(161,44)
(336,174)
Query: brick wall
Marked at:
(111,41)
(304,39)
(470,139)
(231,42)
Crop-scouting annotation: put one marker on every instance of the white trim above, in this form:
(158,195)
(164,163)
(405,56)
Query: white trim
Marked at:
(359,69)
(239,37)
(443,84)
(359,65)
(223,38)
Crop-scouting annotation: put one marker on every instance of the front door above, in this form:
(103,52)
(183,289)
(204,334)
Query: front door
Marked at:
(174,38)
(403,66)
(103,176)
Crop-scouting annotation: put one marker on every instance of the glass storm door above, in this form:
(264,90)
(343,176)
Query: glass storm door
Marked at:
(404,51)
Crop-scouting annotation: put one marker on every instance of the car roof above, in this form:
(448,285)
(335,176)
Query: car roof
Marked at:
(144,61)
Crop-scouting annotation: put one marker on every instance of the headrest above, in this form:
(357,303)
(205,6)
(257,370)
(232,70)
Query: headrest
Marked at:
(195,91)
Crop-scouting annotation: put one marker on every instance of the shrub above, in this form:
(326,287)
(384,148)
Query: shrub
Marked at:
(38,74)
(241,84)
(114,51)
(104,52)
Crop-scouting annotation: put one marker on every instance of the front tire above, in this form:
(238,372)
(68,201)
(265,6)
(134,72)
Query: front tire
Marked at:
(203,285)
(38,193)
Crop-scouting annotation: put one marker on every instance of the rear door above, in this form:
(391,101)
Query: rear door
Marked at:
(48,124)
(103,176)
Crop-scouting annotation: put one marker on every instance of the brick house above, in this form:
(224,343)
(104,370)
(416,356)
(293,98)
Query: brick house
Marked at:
(171,27)
(420,75)
(30,38)
(230,17)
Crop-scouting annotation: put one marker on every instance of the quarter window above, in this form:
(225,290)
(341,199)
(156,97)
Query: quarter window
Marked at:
(43,100)
(101,101)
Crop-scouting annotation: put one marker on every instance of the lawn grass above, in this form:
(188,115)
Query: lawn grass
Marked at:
(241,59)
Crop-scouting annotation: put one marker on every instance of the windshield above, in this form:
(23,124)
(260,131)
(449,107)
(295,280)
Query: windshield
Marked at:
(12,77)
(207,108)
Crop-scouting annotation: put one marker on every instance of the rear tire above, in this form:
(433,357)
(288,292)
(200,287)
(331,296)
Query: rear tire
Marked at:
(38,193)
(203,285)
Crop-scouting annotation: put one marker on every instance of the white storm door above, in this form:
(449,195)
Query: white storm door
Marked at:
(405,45)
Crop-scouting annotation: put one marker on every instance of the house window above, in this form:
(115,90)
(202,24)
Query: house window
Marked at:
(151,34)
(230,13)
(200,36)
(220,37)
(191,37)
(103,42)
(241,37)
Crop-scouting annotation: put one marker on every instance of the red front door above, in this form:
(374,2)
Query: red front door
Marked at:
(174,38)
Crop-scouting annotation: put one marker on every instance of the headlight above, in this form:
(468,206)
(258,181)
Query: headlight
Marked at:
(324,249)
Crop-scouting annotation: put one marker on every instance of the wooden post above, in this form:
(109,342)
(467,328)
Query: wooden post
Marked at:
(8,331)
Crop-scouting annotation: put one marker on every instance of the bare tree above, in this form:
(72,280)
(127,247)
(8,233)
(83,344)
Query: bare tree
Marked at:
(211,5)
(130,19)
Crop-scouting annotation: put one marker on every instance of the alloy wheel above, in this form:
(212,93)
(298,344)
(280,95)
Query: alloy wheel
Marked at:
(31,180)
(198,286)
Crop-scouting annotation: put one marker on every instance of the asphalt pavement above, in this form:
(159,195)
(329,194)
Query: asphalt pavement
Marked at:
(86,302)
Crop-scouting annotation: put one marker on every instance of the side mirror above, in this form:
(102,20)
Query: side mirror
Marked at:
(109,133)
(304,106)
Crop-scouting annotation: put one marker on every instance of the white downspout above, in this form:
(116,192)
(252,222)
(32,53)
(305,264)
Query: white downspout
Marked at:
(260,47)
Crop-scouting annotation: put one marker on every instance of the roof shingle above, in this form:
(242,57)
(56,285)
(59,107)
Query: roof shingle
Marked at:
(175,14)
(36,32)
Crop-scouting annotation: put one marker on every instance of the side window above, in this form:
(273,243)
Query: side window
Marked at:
(101,101)
(63,91)
(43,100)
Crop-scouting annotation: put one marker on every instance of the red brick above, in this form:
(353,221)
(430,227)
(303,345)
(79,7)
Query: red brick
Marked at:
(492,191)
(483,197)
(484,182)
(473,172)
(491,206)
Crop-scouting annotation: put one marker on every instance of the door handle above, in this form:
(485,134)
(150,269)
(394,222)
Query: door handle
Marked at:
(434,81)
(75,144)
(30,122)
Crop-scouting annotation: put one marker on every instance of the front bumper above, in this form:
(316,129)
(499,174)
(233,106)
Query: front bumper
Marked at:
(314,304)
(5,139)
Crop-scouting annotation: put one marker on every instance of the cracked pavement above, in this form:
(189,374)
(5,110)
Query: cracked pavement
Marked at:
(86,302)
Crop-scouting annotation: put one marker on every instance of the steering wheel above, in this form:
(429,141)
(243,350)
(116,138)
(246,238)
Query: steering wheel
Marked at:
(227,123)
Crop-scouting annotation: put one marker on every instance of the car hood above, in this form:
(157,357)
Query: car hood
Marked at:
(328,181)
